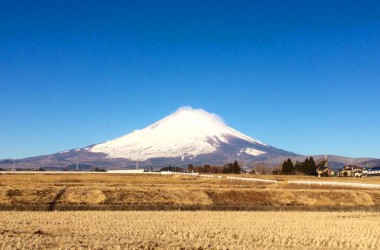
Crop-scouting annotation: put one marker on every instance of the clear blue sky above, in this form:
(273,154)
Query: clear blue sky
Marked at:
(299,75)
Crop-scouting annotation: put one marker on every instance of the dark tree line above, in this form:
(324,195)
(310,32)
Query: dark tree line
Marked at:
(172,169)
(97,169)
(308,167)
(232,168)
(287,167)
(229,168)
(205,169)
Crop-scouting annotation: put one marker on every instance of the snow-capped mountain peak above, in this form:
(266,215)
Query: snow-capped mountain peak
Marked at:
(187,132)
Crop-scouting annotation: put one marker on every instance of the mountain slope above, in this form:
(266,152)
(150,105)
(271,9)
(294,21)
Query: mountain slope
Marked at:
(187,132)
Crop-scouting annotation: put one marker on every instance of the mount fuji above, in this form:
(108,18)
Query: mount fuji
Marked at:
(187,133)
(186,136)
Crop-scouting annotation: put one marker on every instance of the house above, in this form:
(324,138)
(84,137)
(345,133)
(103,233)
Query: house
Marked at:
(375,171)
(351,171)
(325,172)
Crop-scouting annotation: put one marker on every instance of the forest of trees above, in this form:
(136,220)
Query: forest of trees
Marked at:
(232,168)
(308,167)
(229,168)
(205,169)
(172,169)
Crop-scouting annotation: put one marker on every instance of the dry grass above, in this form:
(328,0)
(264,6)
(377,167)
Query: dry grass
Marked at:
(373,180)
(182,230)
(189,230)
(54,191)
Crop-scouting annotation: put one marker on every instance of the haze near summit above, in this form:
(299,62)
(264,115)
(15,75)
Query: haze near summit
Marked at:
(299,75)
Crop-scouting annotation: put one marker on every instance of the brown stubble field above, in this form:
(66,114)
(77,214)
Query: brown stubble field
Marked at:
(189,230)
(156,192)
(281,215)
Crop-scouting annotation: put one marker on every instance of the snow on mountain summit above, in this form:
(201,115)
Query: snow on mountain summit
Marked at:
(187,132)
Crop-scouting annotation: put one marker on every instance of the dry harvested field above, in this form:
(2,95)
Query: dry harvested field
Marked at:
(183,229)
(189,230)
(155,192)
(373,180)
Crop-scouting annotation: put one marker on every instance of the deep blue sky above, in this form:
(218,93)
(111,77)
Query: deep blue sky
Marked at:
(299,75)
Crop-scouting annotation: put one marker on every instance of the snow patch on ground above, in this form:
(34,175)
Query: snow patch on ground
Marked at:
(252,151)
